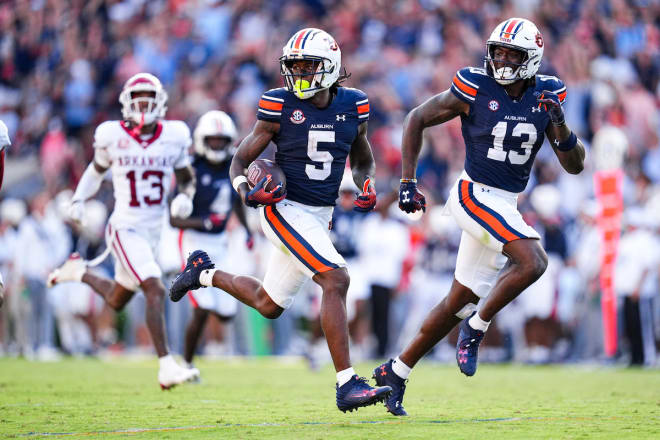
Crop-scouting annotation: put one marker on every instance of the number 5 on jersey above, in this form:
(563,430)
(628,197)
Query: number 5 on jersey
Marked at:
(316,136)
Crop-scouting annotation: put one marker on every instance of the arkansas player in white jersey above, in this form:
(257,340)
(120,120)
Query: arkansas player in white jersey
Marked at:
(4,143)
(142,151)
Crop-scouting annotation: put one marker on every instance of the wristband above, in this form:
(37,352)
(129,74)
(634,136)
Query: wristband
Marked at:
(408,180)
(237,181)
(568,144)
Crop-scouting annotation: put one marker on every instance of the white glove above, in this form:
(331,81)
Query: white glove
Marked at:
(181,206)
(77,211)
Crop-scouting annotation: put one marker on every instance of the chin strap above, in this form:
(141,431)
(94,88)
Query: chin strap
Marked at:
(138,128)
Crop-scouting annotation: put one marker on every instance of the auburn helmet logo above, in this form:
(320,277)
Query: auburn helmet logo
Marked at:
(539,39)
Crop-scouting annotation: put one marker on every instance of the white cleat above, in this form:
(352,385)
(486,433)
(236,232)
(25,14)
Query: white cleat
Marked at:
(198,377)
(73,269)
(175,375)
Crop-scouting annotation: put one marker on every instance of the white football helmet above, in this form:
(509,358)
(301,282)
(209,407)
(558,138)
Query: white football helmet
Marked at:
(215,123)
(130,107)
(315,45)
(519,34)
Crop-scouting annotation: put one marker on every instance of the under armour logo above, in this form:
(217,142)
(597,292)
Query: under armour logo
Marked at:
(405,196)
(556,141)
(196,262)
(536,109)
(341,117)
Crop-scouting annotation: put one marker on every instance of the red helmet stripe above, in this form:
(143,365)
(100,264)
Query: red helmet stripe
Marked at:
(511,26)
(141,81)
(301,34)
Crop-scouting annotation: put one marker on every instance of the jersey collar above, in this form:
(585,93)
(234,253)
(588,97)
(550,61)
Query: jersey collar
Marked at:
(144,143)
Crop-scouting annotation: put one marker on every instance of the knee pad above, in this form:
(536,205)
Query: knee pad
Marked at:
(466,310)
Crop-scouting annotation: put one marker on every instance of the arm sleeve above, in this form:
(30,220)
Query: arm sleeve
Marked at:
(270,107)
(89,184)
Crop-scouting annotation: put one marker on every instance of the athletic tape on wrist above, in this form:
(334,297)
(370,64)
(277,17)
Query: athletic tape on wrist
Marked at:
(237,181)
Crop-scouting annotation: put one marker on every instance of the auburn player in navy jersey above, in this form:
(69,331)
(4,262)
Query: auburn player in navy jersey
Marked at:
(316,125)
(506,109)
(214,143)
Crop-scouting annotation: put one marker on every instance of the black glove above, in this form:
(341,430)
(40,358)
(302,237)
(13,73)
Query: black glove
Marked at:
(410,198)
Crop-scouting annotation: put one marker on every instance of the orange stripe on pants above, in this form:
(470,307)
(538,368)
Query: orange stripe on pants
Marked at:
(485,216)
(294,243)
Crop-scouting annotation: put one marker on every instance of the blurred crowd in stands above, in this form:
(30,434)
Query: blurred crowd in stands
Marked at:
(62,66)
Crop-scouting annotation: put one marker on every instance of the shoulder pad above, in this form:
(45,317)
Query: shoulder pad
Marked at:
(467,81)
(177,128)
(551,84)
(271,104)
(357,100)
(105,132)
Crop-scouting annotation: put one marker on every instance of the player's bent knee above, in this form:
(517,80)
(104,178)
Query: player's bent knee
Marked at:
(535,267)
(334,282)
(267,307)
(270,310)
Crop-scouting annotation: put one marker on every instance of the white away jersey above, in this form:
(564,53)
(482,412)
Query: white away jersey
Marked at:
(4,136)
(141,169)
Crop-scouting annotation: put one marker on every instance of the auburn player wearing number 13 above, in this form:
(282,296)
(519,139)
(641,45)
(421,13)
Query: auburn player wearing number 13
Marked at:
(142,151)
(316,125)
(506,109)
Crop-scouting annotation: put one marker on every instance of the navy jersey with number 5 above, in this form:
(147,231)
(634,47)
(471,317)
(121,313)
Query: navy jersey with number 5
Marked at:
(214,193)
(312,143)
(502,135)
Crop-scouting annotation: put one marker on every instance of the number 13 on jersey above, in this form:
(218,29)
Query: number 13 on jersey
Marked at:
(497,152)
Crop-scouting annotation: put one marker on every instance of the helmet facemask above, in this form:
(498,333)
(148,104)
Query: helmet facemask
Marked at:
(218,149)
(141,109)
(508,72)
(299,83)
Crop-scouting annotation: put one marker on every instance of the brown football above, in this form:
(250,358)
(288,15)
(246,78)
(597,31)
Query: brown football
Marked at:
(260,168)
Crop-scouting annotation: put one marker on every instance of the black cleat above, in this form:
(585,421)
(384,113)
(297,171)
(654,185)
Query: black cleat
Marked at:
(187,280)
(357,393)
(385,376)
(467,347)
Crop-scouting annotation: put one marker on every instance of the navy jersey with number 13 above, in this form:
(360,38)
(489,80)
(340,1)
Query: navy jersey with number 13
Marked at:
(502,135)
(312,143)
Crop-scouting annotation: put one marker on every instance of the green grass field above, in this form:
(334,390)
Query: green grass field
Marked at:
(267,398)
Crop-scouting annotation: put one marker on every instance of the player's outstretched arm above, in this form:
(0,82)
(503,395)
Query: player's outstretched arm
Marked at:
(568,148)
(362,160)
(248,150)
(89,184)
(571,160)
(363,168)
(182,205)
(436,110)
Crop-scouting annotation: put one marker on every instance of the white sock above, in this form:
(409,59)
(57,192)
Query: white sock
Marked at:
(477,323)
(206,277)
(400,369)
(344,376)
(167,361)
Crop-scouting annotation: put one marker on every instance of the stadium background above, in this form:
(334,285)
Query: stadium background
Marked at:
(63,63)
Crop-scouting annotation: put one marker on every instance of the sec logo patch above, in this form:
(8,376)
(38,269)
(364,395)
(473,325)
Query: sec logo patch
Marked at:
(297,117)
(493,105)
